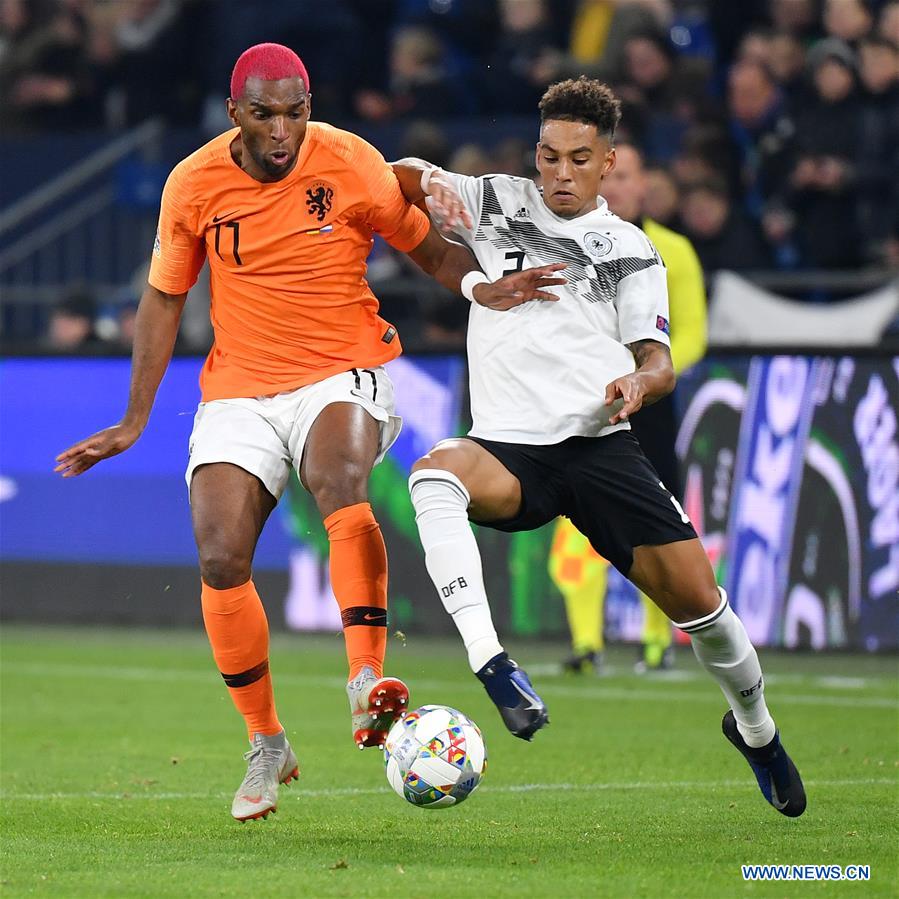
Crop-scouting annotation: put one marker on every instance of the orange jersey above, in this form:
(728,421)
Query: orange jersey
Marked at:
(290,303)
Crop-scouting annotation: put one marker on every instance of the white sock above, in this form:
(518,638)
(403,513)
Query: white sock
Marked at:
(453,559)
(722,646)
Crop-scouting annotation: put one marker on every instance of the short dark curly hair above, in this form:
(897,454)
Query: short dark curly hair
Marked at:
(582,100)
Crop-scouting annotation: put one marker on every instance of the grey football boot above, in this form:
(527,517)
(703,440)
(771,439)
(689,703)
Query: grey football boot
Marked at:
(271,762)
(375,703)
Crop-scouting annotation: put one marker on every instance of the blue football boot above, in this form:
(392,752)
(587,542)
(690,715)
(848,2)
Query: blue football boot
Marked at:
(778,778)
(522,710)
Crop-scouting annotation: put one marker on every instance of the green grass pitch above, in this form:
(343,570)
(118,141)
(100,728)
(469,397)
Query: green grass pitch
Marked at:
(121,751)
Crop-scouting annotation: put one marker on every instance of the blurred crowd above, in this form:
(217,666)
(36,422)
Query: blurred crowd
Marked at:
(770,127)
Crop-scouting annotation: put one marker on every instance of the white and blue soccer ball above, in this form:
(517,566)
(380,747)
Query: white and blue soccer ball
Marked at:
(435,756)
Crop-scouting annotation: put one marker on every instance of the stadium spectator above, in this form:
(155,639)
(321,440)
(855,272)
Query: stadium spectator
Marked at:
(706,153)
(761,131)
(824,174)
(71,326)
(787,65)
(666,92)
(471,159)
(15,19)
(427,139)
(888,23)
(649,68)
(847,20)
(151,36)
(880,69)
(599,30)
(512,156)
(691,166)
(799,17)
(722,236)
(756,46)
(125,319)
(467,26)
(878,163)
(527,33)
(420,84)
(728,22)
(47,78)
(662,200)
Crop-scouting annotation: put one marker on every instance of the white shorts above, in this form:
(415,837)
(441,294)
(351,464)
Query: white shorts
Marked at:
(265,435)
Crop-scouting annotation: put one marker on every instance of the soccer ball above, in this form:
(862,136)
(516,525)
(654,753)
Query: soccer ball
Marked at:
(435,756)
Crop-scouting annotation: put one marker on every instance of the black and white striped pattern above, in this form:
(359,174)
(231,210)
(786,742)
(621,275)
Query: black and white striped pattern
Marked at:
(595,281)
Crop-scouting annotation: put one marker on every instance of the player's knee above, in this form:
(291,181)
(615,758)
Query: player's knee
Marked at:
(704,587)
(710,598)
(698,603)
(448,455)
(222,568)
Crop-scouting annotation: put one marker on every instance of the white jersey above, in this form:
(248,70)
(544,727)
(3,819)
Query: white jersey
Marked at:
(538,373)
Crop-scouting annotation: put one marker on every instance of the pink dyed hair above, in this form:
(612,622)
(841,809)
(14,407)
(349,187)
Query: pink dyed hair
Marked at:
(270,62)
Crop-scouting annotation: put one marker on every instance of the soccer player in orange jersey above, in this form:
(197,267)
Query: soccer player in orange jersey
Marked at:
(284,210)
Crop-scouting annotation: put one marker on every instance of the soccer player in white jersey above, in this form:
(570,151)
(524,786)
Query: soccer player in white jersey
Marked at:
(553,386)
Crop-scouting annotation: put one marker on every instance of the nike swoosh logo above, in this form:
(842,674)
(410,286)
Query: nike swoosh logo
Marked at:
(775,799)
(533,705)
(367,617)
(218,218)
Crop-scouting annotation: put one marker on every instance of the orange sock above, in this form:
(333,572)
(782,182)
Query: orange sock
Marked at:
(238,631)
(359,580)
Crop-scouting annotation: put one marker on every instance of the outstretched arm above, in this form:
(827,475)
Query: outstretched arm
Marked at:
(156,328)
(653,379)
(454,265)
(456,268)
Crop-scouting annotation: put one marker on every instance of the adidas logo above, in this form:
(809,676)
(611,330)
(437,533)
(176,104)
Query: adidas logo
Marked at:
(522,214)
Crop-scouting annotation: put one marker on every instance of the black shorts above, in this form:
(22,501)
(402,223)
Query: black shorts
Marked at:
(605,485)
(655,428)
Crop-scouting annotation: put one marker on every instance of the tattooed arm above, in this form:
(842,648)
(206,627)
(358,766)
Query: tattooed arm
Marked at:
(653,379)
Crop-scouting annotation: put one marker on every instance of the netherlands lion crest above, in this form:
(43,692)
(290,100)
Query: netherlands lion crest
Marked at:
(319,199)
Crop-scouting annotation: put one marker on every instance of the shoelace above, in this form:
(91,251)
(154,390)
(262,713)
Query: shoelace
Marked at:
(363,677)
(258,757)
(358,704)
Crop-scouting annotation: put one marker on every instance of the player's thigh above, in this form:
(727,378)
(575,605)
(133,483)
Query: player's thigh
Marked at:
(237,470)
(678,577)
(229,507)
(339,454)
(495,492)
(343,426)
